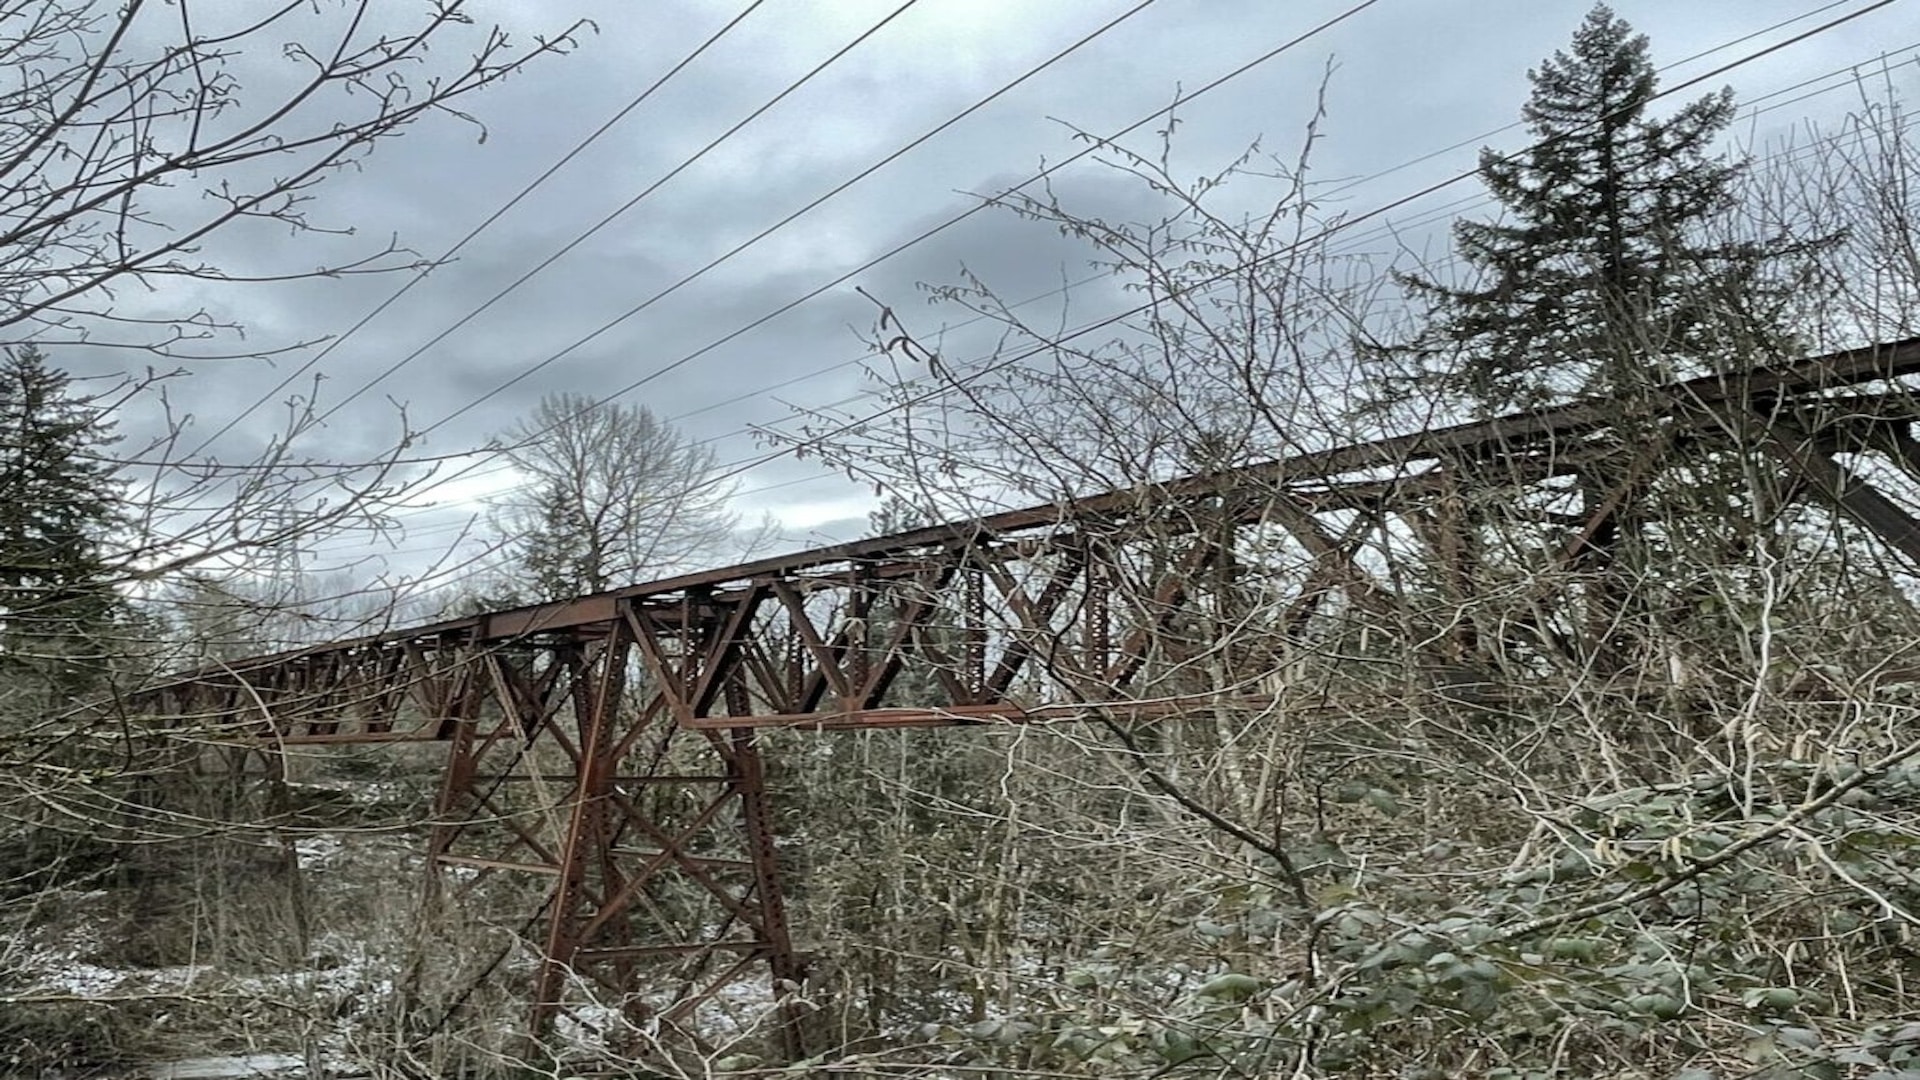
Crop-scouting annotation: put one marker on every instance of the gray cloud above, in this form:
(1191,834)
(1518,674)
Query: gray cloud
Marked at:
(1409,78)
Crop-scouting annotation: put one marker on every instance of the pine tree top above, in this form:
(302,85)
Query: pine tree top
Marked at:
(1609,268)
(59,501)
(1608,73)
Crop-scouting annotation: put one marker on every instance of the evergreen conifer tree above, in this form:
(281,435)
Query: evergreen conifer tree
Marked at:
(556,554)
(1614,266)
(1602,276)
(59,506)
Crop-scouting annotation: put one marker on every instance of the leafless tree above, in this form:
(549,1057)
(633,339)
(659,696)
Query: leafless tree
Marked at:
(1430,797)
(131,137)
(146,147)
(613,494)
(153,155)
(1856,179)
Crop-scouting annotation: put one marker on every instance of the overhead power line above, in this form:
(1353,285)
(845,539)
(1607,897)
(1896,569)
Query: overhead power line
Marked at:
(955,219)
(1093,147)
(826,196)
(749,463)
(608,125)
(835,191)
(623,208)
(1231,273)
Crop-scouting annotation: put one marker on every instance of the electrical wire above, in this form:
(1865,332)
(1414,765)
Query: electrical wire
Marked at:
(949,222)
(623,208)
(756,238)
(1446,210)
(608,125)
(1214,84)
(1231,273)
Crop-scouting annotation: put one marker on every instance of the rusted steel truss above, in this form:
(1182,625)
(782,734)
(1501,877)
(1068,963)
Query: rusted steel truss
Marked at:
(606,747)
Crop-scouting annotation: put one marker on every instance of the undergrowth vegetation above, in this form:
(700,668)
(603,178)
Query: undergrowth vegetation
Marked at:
(1593,754)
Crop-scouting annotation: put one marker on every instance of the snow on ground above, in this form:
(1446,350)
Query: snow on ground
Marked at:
(207,1068)
(348,973)
(61,969)
(318,850)
(80,979)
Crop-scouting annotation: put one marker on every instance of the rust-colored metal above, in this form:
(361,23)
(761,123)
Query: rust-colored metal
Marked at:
(605,747)
(1843,487)
(783,965)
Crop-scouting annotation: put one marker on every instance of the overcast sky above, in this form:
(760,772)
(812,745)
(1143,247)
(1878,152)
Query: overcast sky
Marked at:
(1408,77)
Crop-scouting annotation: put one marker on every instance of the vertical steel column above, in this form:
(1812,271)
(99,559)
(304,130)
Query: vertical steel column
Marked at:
(973,620)
(595,702)
(783,966)
(1100,583)
(455,779)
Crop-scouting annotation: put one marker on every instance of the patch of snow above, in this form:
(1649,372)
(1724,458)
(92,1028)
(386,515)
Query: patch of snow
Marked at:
(82,979)
(378,791)
(208,1068)
(178,975)
(317,849)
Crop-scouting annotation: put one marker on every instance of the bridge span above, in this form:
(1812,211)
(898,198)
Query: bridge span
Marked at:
(606,747)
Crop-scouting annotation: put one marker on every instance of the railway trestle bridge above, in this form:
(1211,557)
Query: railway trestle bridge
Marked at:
(607,747)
